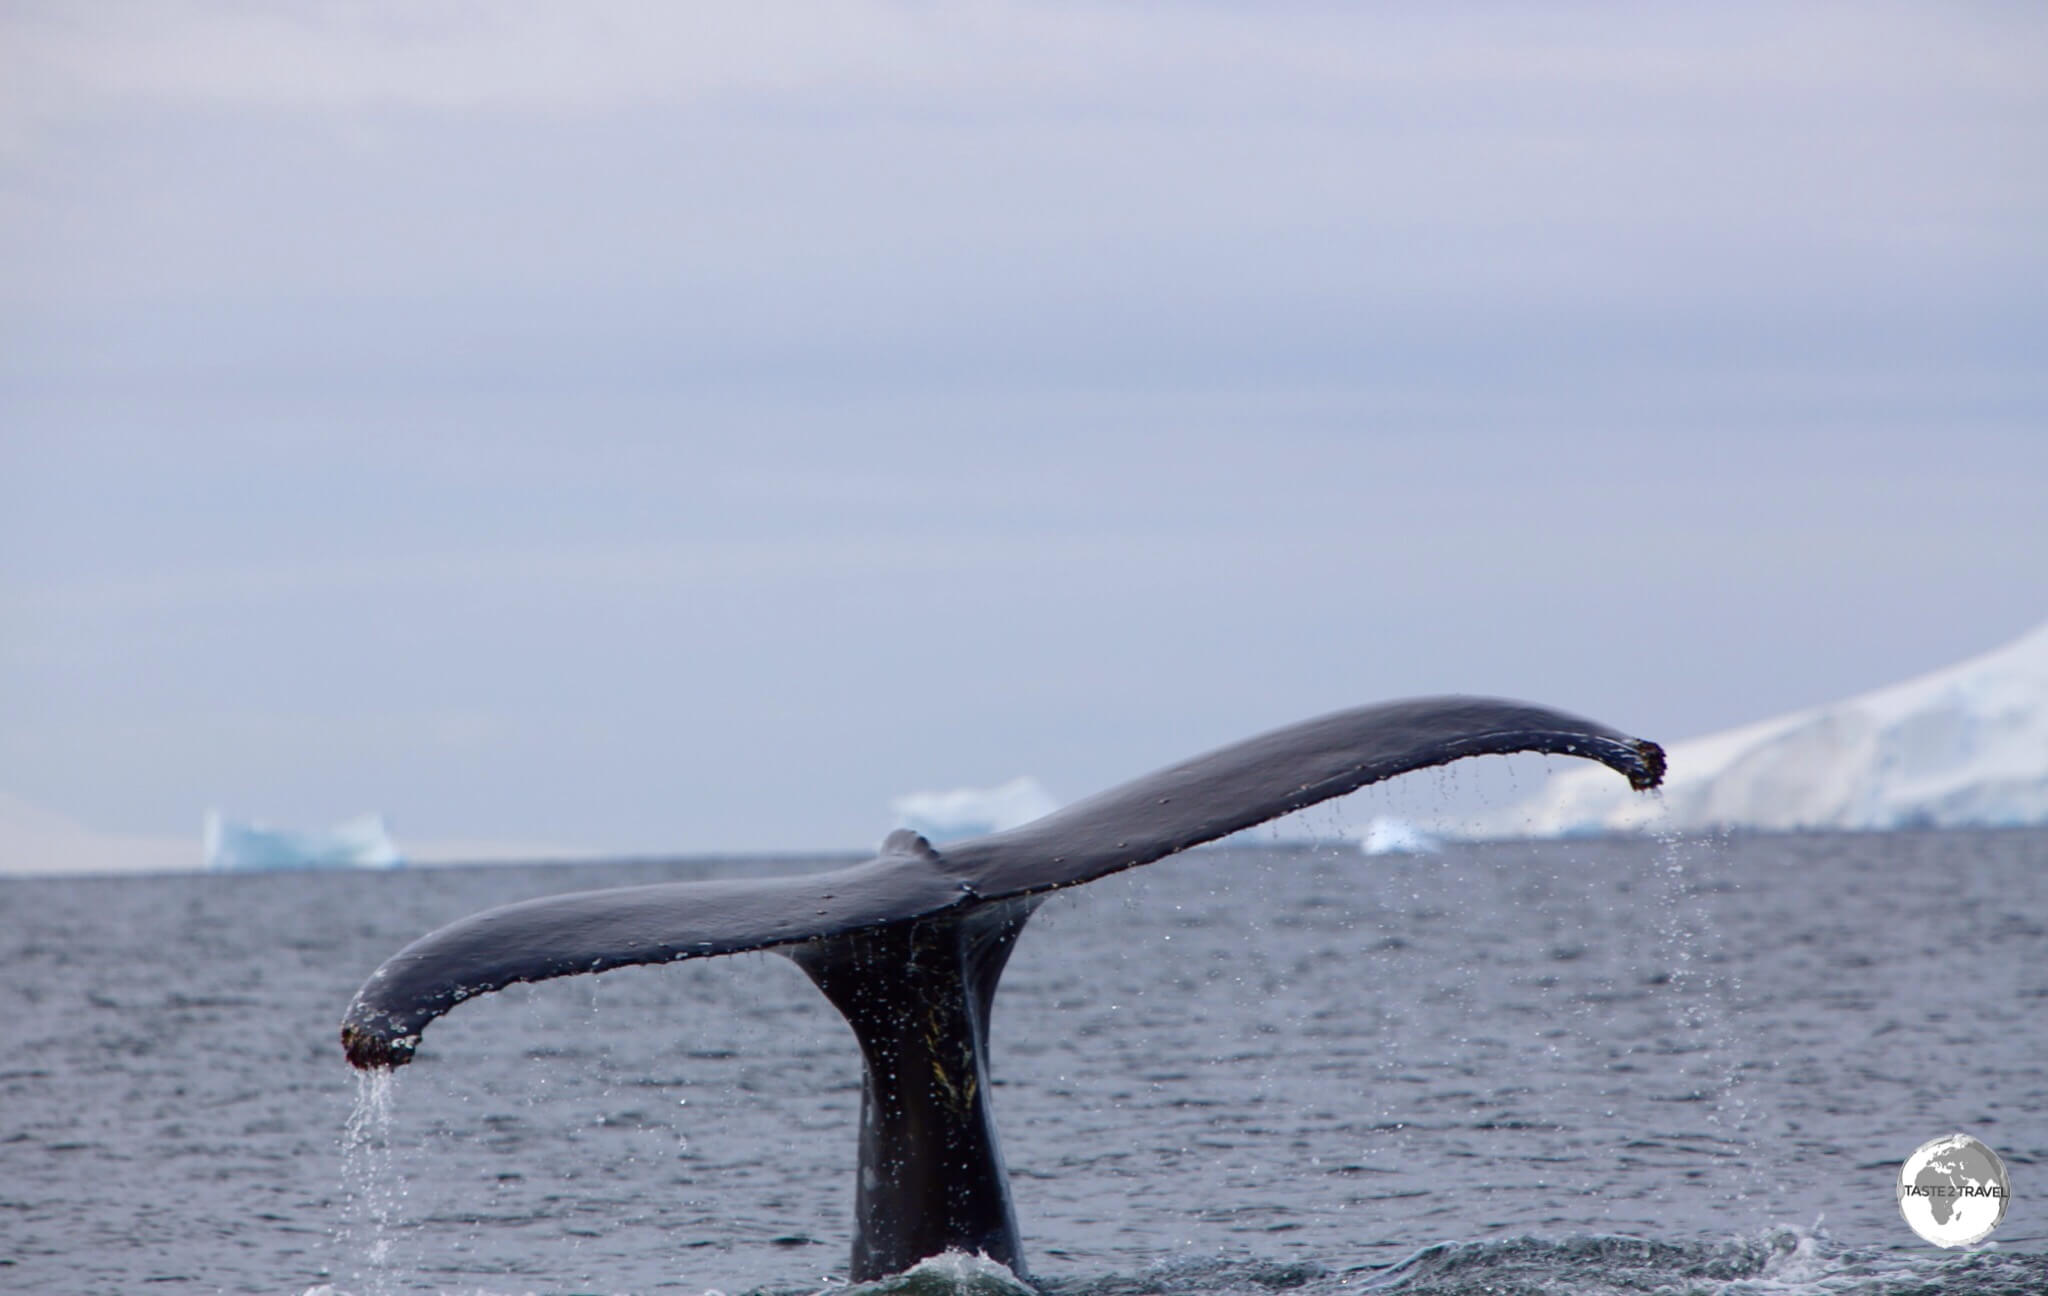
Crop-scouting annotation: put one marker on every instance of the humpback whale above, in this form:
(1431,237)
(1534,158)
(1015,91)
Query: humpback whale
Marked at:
(909,946)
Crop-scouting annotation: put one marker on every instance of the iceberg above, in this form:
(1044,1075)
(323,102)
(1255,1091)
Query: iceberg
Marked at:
(361,842)
(1386,835)
(1962,747)
(970,812)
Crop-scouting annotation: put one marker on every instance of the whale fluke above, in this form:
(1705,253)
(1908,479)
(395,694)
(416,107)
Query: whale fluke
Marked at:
(595,931)
(1262,778)
(910,945)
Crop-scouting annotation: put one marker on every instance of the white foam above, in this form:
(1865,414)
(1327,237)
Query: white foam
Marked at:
(953,1273)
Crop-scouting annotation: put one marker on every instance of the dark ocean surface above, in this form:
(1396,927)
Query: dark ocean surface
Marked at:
(1559,1067)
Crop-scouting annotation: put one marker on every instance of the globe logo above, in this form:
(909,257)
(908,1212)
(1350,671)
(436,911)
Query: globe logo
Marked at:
(1953,1190)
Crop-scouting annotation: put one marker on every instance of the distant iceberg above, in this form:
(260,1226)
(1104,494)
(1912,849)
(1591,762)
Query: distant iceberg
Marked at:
(235,847)
(970,812)
(1386,835)
(1966,746)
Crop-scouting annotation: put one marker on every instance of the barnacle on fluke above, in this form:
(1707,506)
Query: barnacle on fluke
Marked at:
(1652,772)
(370,1051)
(909,946)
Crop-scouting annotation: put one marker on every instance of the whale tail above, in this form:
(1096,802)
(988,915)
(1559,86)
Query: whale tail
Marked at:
(910,945)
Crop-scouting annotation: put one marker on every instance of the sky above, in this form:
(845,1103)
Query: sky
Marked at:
(682,428)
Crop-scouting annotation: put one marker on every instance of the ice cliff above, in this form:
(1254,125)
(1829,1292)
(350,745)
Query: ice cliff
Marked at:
(1965,746)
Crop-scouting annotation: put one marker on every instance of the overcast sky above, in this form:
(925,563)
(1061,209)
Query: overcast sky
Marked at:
(685,427)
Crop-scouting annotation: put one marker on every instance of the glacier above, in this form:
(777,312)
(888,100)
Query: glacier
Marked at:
(361,842)
(1964,746)
(970,812)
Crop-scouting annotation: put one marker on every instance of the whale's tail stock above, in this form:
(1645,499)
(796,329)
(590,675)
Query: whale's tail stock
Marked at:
(910,945)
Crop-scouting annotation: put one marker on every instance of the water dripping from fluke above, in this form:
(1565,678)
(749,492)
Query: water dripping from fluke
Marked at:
(1700,997)
(370,1183)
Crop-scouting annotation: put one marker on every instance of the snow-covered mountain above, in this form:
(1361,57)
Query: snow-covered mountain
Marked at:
(36,840)
(1965,746)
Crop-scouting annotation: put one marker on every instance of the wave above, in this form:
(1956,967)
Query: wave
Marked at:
(1781,1261)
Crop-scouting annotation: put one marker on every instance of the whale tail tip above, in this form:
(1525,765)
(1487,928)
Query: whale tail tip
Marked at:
(1652,772)
(369,1051)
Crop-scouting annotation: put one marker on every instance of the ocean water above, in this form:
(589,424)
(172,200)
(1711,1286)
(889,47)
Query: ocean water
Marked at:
(1557,1067)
